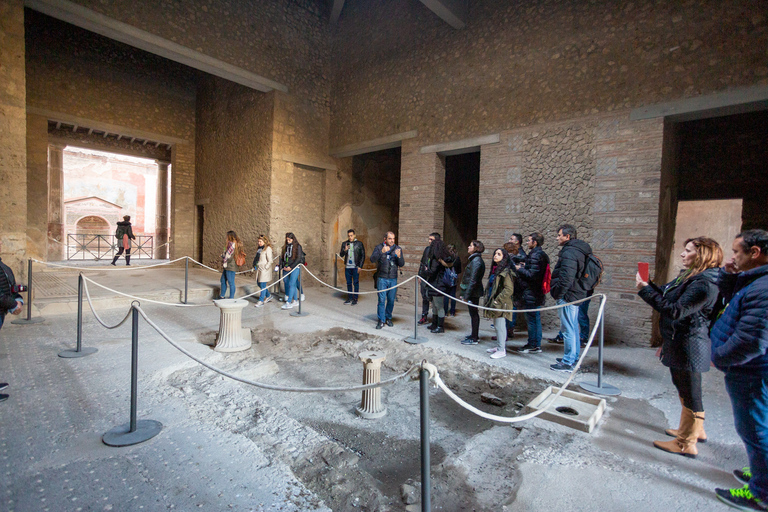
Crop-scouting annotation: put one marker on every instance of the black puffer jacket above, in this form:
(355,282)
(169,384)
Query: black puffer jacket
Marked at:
(568,270)
(7,282)
(686,308)
(530,277)
(388,263)
(435,276)
(472,280)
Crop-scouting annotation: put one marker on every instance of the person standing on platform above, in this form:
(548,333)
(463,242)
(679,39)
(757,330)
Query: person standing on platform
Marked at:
(389,258)
(263,265)
(10,302)
(449,304)
(501,288)
(229,264)
(353,253)
(293,256)
(472,288)
(426,258)
(530,280)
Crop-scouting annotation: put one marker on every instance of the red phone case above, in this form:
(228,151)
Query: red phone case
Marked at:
(645,271)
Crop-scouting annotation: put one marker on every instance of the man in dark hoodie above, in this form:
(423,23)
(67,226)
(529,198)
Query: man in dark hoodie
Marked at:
(424,265)
(124,235)
(740,349)
(566,288)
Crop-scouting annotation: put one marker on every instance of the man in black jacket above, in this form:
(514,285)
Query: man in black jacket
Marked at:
(10,302)
(530,278)
(426,258)
(472,287)
(566,288)
(353,262)
(388,258)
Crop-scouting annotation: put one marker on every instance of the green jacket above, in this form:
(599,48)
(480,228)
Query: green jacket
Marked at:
(501,295)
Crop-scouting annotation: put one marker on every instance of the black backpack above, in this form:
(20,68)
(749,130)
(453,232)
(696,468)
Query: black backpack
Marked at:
(592,274)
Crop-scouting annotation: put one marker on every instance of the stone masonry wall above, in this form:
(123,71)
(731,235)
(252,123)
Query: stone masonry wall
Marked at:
(13,158)
(540,61)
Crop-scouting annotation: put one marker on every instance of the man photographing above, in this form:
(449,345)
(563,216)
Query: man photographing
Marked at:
(353,253)
(388,258)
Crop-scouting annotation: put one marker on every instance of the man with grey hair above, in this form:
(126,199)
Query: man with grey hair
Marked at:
(389,258)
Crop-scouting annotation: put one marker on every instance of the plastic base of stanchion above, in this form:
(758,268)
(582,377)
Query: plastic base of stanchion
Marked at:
(605,389)
(121,436)
(69,354)
(416,340)
(24,321)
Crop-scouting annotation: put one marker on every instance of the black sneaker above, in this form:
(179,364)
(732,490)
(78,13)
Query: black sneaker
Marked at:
(583,343)
(742,475)
(3,397)
(348,302)
(561,367)
(3,385)
(380,324)
(389,322)
(528,349)
(469,340)
(742,499)
(557,339)
(354,302)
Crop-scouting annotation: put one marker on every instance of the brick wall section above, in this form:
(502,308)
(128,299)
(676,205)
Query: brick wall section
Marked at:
(628,158)
(13,157)
(422,195)
(182,200)
(37,187)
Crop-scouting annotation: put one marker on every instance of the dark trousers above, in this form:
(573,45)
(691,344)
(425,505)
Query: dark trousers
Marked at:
(425,302)
(450,302)
(474,316)
(688,386)
(120,251)
(353,280)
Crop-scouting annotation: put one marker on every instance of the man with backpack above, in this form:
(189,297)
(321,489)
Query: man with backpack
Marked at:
(570,283)
(426,260)
(533,282)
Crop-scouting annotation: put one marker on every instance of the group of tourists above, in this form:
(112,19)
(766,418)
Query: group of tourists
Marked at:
(719,315)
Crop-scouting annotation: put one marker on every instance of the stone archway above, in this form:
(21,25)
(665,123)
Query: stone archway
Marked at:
(93,224)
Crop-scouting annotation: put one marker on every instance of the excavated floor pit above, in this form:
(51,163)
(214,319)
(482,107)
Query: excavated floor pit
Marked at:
(353,463)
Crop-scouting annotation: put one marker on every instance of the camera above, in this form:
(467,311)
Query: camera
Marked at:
(18,288)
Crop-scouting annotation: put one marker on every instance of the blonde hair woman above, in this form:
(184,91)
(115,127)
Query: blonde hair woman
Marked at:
(262,263)
(229,264)
(685,305)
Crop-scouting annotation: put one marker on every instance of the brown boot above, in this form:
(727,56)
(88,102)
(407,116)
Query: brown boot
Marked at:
(691,424)
(674,431)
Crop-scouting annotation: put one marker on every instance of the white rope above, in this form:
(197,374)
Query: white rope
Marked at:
(145,299)
(359,268)
(550,401)
(101,269)
(514,310)
(98,318)
(269,386)
(398,285)
(258,292)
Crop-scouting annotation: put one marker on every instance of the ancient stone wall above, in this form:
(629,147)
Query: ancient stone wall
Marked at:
(523,64)
(13,157)
(234,141)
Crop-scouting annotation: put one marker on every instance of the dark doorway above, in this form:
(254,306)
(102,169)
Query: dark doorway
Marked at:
(462,188)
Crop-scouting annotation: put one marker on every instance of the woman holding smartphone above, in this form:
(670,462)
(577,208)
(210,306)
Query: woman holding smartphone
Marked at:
(262,263)
(685,305)
(293,255)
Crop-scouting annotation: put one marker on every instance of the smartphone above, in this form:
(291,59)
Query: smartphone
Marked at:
(645,271)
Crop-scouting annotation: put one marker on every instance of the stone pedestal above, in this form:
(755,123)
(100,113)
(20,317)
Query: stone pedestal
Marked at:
(232,336)
(370,406)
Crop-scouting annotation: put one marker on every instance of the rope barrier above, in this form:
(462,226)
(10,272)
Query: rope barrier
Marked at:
(167,338)
(359,268)
(550,401)
(98,318)
(398,285)
(101,269)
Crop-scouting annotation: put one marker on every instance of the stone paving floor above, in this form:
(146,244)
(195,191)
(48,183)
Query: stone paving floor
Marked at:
(52,457)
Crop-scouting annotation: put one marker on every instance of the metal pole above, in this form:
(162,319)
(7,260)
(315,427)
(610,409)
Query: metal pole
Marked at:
(600,356)
(80,351)
(298,291)
(28,319)
(134,365)
(599,387)
(186,278)
(134,431)
(335,272)
(415,339)
(424,413)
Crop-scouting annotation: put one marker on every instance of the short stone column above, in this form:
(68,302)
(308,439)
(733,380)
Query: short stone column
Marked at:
(232,336)
(370,407)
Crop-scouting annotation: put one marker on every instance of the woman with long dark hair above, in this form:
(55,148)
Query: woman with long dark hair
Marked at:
(293,256)
(501,288)
(229,264)
(685,305)
(263,265)
(440,261)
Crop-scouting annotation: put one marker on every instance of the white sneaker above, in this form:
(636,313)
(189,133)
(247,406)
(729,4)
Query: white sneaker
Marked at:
(499,354)
(492,350)
(259,304)
(268,299)
(295,304)
(302,298)
(287,305)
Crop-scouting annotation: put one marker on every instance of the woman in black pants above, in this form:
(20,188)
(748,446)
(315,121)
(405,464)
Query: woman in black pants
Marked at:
(440,262)
(686,306)
(472,287)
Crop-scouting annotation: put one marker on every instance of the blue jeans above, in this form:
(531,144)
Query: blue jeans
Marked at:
(353,278)
(569,326)
(749,398)
(583,321)
(534,328)
(264,292)
(290,286)
(388,297)
(228,277)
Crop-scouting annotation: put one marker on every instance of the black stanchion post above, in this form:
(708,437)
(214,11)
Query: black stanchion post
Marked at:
(133,432)
(29,319)
(335,272)
(186,278)
(424,413)
(415,339)
(600,388)
(298,292)
(79,351)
